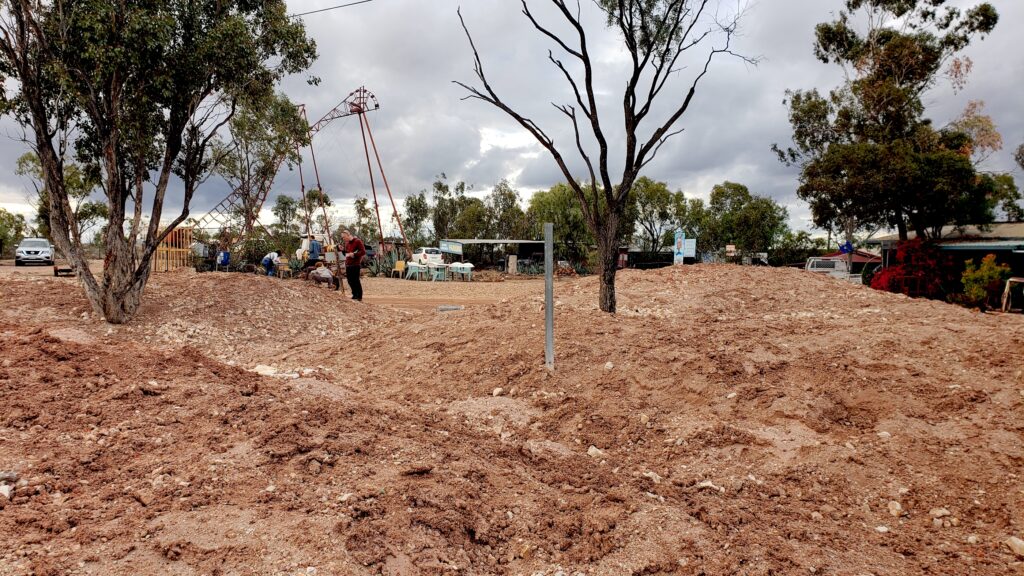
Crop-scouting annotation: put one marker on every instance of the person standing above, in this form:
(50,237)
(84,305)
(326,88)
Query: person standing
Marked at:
(354,253)
(315,249)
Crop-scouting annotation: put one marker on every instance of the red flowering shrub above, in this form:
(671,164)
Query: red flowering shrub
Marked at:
(921,269)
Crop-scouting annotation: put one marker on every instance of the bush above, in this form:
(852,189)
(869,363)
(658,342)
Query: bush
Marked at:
(983,285)
(921,270)
(383,264)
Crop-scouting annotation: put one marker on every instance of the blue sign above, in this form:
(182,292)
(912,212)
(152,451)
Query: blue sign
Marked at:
(846,248)
(450,247)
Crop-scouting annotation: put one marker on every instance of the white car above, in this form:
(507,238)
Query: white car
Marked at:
(834,267)
(428,256)
(36,250)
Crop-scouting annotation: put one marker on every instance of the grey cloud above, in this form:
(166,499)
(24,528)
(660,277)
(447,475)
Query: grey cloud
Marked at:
(408,52)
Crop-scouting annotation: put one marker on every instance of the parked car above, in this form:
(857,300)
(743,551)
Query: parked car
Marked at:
(371,255)
(834,267)
(36,250)
(427,256)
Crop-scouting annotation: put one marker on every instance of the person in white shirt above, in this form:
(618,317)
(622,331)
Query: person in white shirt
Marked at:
(270,262)
(322,274)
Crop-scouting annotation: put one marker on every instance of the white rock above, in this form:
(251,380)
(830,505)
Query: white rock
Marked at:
(884,435)
(497,391)
(271,488)
(265,370)
(608,365)
(895,508)
(595,452)
(1016,545)
(881,529)
(817,516)
(711,485)
(938,512)
(653,476)
(730,395)
(973,539)
(644,418)
(6,491)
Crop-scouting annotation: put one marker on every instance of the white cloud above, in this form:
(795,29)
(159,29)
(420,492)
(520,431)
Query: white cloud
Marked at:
(408,52)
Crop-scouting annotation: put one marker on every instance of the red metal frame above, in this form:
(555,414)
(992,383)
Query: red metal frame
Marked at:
(357,103)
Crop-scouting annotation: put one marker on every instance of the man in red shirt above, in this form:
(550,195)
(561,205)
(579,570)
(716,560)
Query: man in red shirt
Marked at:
(354,253)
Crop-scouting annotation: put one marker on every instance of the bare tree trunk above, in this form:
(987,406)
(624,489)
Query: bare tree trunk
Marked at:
(901,226)
(608,253)
(121,293)
(849,239)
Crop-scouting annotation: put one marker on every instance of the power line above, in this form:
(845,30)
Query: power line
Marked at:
(330,8)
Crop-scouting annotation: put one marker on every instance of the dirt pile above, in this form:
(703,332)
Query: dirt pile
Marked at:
(727,420)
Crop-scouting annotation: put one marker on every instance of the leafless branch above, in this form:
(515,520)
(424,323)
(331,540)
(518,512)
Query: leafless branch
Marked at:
(491,97)
(571,113)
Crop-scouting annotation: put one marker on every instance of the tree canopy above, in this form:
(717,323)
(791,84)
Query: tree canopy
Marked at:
(868,156)
(137,90)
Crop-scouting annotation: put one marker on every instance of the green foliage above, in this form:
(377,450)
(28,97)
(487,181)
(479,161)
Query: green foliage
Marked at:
(365,225)
(12,230)
(868,157)
(506,215)
(692,216)
(80,185)
(264,133)
(383,264)
(796,247)
(559,206)
(253,248)
(1002,191)
(735,216)
(417,213)
(655,205)
(449,201)
(983,284)
(286,210)
(137,89)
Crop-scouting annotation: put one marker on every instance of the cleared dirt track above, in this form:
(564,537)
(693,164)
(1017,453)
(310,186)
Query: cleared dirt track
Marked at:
(727,421)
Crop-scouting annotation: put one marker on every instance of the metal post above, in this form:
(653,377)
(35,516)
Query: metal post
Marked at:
(549,296)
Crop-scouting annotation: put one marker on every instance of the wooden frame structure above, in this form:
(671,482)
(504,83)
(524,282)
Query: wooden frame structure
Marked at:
(174,252)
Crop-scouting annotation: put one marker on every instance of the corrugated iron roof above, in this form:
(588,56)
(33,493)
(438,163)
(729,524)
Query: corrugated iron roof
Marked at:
(995,231)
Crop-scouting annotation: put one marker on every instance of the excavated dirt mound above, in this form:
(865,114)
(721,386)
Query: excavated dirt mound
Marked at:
(727,421)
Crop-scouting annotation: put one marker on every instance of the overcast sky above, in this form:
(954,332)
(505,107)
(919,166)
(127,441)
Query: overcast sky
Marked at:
(408,52)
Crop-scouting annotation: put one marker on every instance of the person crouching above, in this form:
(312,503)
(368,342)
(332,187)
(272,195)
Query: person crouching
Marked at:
(322,274)
(271,261)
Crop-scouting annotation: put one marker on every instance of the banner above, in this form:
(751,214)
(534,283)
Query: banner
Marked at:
(449,247)
(679,249)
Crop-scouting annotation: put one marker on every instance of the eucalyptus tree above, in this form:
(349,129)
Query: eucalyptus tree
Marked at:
(136,90)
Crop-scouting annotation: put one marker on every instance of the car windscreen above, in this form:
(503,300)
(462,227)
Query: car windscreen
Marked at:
(35,244)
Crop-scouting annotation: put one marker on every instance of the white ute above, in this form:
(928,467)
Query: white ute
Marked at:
(834,267)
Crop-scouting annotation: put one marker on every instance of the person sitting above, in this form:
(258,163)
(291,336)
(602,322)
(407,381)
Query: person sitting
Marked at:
(322,274)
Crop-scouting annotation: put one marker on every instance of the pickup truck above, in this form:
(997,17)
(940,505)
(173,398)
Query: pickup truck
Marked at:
(834,267)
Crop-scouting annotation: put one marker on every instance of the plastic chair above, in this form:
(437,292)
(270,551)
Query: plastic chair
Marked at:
(438,273)
(399,269)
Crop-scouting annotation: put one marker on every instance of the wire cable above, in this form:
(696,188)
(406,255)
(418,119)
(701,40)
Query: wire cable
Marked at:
(329,8)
